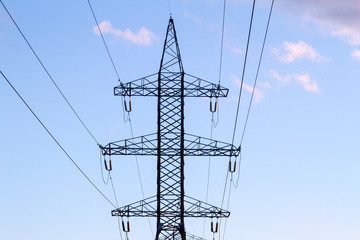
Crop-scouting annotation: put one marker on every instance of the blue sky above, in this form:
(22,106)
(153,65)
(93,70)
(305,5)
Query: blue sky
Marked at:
(300,170)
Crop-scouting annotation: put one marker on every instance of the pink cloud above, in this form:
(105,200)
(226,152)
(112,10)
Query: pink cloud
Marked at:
(196,19)
(304,80)
(349,35)
(277,76)
(356,54)
(259,91)
(142,37)
(258,94)
(237,51)
(308,84)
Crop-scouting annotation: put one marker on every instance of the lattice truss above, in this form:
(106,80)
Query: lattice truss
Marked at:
(170,144)
(193,87)
(148,208)
(193,146)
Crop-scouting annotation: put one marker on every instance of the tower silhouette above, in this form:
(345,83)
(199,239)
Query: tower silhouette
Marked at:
(170,144)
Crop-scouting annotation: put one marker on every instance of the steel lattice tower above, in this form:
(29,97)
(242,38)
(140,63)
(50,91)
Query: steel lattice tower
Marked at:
(170,144)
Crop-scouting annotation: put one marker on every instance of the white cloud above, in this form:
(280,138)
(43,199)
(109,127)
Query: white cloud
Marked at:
(142,37)
(307,83)
(277,76)
(356,54)
(300,50)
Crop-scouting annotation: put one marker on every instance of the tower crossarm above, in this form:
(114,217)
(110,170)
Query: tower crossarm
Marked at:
(193,87)
(144,145)
(193,208)
(193,146)
(196,208)
(143,208)
(201,146)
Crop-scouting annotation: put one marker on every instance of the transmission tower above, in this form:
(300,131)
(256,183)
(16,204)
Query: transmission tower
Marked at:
(170,144)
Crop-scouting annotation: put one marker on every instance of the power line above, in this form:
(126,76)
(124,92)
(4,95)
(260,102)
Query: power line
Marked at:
(213,124)
(102,37)
(52,136)
(169,7)
(102,172)
(241,86)
(41,63)
(223,197)
(222,40)
(254,86)
(108,51)
(208,172)
(118,221)
(47,72)
(113,188)
(257,71)
(227,207)
(128,119)
(139,174)
(248,112)
(117,202)
(238,104)
(243,72)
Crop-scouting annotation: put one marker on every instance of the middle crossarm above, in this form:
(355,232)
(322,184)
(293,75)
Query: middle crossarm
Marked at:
(193,208)
(147,145)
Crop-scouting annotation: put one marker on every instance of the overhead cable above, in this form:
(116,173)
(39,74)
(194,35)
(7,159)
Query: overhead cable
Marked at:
(49,75)
(213,123)
(243,73)
(52,136)
(239,100)
(108,52)
(102,172)
(208,171)
(169,8)
(128,116)
(222,40)
(117,204)
(248,112)
(257,71)
(139,174)
(102,37)
(254,86)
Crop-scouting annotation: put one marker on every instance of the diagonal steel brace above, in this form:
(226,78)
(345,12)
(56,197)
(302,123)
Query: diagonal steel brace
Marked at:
(193,208)
(193,146)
